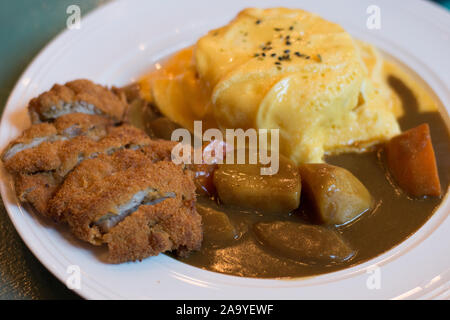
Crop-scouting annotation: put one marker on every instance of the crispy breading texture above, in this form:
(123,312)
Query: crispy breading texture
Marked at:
(39,171)
(39,130)
(100,185)
(44,157)
(64,128)
(77,96)
(62,154)
(153,229)
(36,189)
(88,173)
(158,150)
(75,124)
(80,148)
(108,181)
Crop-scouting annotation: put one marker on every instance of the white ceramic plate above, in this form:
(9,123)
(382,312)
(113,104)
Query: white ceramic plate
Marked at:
(123,39)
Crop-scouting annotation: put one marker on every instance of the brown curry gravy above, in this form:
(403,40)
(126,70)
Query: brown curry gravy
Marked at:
(394,218)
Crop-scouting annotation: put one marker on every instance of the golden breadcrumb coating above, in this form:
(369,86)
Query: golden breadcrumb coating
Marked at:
(77,96)
(64,128)
(78,164)
(152,229)
(74,124)
(61,154)
(99,186)
(36,189)
(33,168)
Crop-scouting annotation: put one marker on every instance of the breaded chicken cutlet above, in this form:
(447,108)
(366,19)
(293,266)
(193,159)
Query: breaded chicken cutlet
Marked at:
(79,164)
(107,199)
(41,158)
(81,96)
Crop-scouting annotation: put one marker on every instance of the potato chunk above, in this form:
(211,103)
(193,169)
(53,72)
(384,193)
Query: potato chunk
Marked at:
(217,228)
(163,127)
(411,160)
(301,242)
(337,195)
(242,185)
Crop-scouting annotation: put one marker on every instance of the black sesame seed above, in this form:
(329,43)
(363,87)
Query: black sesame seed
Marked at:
(277,63)
(287,51)
(288,37)
(258,21)
(288,43)
(278,29)
(307,57)
(263,54)
(291,28)
(273,54)
(280,58)
(298,54)
(256,54)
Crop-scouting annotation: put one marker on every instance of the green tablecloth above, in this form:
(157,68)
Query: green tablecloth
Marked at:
(25,27)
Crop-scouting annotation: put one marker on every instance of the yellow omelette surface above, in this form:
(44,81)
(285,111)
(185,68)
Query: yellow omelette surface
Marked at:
(281,69)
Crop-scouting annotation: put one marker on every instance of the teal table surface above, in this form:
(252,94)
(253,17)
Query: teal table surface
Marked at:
(26,26)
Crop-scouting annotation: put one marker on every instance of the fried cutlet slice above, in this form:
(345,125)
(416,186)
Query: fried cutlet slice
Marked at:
(61,153)
(158,150)
(37,187)
(81,96)
(32,157)
(93,171)
(102,193)
(31,138)
(123,137)
(76,124)
(64,128)
(153,229)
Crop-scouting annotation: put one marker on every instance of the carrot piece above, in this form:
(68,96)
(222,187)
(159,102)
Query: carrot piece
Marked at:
(411,161)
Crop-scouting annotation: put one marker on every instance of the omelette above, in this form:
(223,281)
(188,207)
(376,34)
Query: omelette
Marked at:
(284,69)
